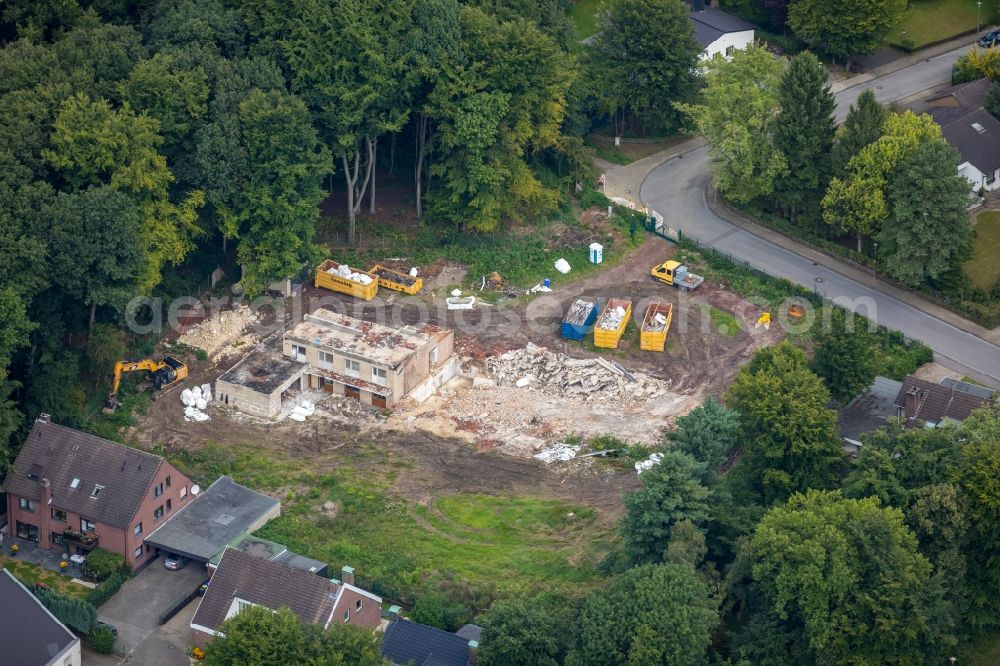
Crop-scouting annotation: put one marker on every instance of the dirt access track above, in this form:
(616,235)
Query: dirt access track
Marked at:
(447,441)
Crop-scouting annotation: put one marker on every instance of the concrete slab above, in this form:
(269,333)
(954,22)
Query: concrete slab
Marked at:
(168,645)
(138,605)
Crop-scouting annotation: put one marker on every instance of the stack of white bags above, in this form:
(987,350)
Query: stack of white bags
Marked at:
(302,410)
(196,401)
(345,271)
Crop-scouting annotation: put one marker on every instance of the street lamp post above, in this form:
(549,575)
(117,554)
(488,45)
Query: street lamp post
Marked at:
(979,4)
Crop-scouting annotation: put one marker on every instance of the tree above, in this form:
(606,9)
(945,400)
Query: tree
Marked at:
(177,97)
(803,133)
(930,232)
(519,631)
(859,203)
(259,636)
(978,477)
(825,564)
(671,491)
(845,358)
(79,615)
(709,433)
(94,144)
(790,436)
(863,126)
(845,29)
(992,101)
(737,117)
(644,59)
(438,610)
(274,214)
(94,254)
(651,615)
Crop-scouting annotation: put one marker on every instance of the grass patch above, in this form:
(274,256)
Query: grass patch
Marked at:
(30,574)
(583,16)
(983,268)
(489,546)
(723,321)
(983,650)
(928,21)
(629,152)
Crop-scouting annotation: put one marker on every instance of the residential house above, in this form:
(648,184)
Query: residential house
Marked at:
(971,130)
(719,32)
(377,365)
(242,580)
(29,634)
(407,642)
(73,492)
(923,403)
(252,544)
(220,514)
(868,412)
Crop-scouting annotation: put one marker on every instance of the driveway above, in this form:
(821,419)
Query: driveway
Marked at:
(138,605)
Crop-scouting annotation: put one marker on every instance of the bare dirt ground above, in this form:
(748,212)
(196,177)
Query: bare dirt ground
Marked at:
(448,443)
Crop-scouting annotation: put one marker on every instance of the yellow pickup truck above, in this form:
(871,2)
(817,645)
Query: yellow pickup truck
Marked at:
(676,274)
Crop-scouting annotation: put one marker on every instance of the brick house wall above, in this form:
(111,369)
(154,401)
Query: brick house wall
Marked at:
(173,497)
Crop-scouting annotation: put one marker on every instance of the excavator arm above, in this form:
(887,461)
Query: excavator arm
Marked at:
(131,366)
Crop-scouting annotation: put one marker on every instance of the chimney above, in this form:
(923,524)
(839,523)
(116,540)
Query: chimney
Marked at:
(697,5)
(473,648)
(394,613)
(347,575)
(911,402)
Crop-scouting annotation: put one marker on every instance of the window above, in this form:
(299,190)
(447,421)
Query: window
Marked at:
(729,51)
(75,483)
(326,358)
(158,513)
(56,538)
(170,505)
(184,492)
(353,368)
(26,504)
(138,529)
(434,356)
(347,615)
(158,490)
(379,375)
(299,353)
(96,492)
(138,552)
(59,515)
(168,482)
(87,525)
(357,606)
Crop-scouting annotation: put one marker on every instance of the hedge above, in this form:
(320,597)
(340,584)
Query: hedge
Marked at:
(107,589)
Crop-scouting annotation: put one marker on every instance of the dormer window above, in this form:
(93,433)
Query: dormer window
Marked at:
(75,483)
(96,492)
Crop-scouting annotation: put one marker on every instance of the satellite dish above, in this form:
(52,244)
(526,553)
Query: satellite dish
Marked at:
(195,489)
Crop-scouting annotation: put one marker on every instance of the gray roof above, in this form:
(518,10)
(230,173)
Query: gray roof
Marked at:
(958,100)
(871,409)
(206,524)
(407,642)
(268,584)
(470,632)
(966,387)
(711,23)
(979,146)
(62,454)
(30,634)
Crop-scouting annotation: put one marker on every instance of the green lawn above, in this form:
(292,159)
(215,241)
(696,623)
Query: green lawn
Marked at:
(929,21)
(981,651)
(984,267)
(29,574)
(722,321)
(583,16)
(512,544)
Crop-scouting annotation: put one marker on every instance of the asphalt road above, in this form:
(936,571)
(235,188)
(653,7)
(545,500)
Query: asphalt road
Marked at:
(903,83)
(676,189)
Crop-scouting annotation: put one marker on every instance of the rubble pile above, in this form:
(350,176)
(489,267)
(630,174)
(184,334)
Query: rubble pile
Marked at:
(656,324)
(579,311)
(535,366)
(218,332)
(612,318)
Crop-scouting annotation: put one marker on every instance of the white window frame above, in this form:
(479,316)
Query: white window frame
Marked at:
(239,605)
(75,483)
(96,492)
(380,379)
(137,530)
(326,359)
(299,353)
(347,615)
(352,368)
(358,605)
(87,525)
(184,492)
(25,504)
(138,552)
(434,356)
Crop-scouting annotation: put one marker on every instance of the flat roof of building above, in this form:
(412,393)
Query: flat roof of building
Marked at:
(212,520)
(375,343)
(271,550)
(265,369)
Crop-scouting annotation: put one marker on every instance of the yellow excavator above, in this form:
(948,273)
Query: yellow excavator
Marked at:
(164,373)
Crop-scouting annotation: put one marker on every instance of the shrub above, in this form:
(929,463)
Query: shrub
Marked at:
(102,639)
(77,614)
(107,588)
(102,564)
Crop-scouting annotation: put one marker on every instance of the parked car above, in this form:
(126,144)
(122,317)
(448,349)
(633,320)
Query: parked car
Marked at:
(991,38)
(114,630)
(174,562)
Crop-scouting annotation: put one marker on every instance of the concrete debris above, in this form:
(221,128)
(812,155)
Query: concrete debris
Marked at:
(217,334)
(579,311)
(558,452)
(460,303)
(649,463)
(657,324)
(562,266)
(534,366)
(302,410)
(612,318)
(456,292)
(483,382)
